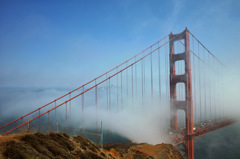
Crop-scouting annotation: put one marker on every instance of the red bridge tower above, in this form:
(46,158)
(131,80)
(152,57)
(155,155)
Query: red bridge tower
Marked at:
(175,104)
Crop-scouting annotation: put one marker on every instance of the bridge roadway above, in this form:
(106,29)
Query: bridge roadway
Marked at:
(200,129)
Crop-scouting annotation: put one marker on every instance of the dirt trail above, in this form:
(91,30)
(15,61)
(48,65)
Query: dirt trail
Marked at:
(61,146)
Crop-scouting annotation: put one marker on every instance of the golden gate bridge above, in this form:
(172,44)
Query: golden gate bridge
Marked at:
(177,72)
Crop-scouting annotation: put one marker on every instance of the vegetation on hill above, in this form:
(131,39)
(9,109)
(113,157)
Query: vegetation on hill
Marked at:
(61,146)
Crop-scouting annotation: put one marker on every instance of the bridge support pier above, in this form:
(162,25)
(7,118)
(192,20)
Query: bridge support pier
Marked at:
(185,78)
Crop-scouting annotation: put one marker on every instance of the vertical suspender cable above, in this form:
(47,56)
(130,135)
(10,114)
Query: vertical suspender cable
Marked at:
(194,80)
(168,82)
(222,97)
(159,73)
(200,93)
(127,83)
(142,83)
(166,74)
(218,92)
(136,93)
(39,121)
(109,94)
(83,108)
(210,91)
(214,91)
(70,118)
(117,92)
(204,83)
(55,122)
(143,80)
(151,77)
(121,92)
(132,87)
(96,103)
(110,133)
(107,91)
(66,120)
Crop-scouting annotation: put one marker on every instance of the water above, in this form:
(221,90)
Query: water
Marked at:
(221,144)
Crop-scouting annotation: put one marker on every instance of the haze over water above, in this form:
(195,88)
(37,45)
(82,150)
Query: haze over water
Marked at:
(14,102)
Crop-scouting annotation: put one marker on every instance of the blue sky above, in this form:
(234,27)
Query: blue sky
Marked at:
(66,43)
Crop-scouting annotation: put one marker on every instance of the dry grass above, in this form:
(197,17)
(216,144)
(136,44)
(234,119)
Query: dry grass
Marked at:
(61,146)
(164,150)
(36,145)
(45,146)
(9,137)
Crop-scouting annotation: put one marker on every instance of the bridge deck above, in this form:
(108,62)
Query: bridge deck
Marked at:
(200,129)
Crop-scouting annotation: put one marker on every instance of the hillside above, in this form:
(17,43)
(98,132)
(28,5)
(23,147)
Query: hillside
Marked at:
(61,146)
